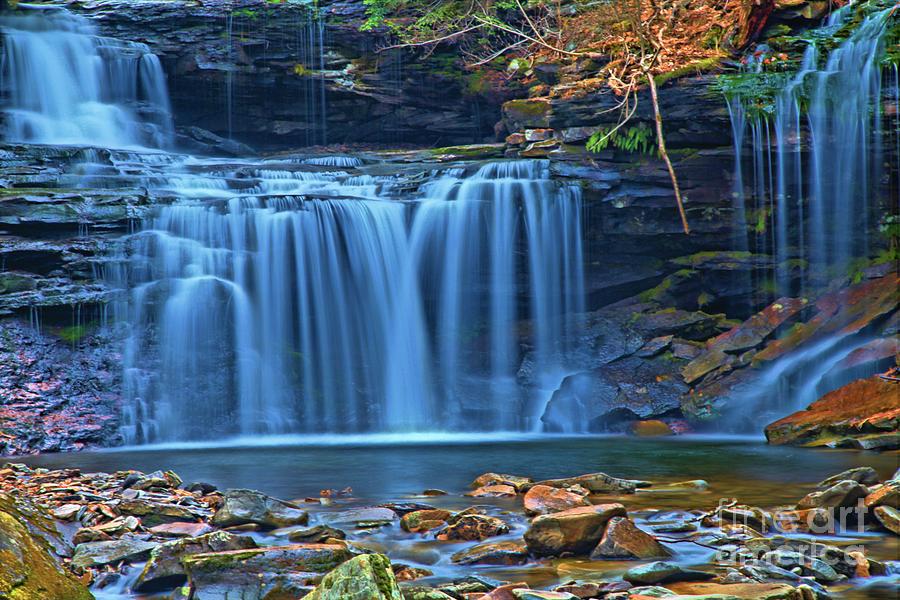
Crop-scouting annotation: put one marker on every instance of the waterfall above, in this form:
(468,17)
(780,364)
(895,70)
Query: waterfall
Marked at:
(317,302)
(816,157)
(815,168)
(64,84)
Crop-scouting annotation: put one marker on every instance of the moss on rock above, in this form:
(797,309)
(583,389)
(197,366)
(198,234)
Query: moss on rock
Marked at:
(29,568)
(366,577)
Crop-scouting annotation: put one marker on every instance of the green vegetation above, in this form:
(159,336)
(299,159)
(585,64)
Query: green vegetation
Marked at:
(638,138)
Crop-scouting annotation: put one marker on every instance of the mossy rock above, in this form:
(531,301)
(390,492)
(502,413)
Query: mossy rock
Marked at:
(366,577)
(29,568)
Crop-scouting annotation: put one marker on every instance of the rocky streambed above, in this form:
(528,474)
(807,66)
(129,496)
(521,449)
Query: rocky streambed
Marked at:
(501,536)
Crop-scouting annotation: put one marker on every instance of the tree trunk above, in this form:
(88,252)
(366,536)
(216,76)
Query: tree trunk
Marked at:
(661,144)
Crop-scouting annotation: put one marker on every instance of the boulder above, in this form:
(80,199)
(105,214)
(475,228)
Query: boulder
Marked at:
(488,479)
(860,408)
(651,428)
(257,574)
(157,513)
(164,569)
(526,594)
(842,494)
(744,591)
(363,518)
(493,553)
(809,565)
(889,517)
(544,499)
(29,565)
(320,534)
(598,483)
(473,527)
(424,520)
(663,572)
(623,540)
(863,475)
(623,390)
(365,577)
(493,491)
(242,507)
(574,531)
(98,554)
(886,495)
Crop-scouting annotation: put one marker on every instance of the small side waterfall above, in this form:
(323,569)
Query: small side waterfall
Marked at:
(811,188)
(272,312)
(64,84)
(816,156)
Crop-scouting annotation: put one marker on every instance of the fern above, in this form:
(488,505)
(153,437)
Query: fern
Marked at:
(639,138)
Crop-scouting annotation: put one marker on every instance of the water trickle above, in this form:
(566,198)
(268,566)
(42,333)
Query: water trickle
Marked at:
(273,312)
(815,157)
(64,84)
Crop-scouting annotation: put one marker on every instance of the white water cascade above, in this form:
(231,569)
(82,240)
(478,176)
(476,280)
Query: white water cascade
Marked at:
(310,301)
(817,160)
(813,182)
(64,84)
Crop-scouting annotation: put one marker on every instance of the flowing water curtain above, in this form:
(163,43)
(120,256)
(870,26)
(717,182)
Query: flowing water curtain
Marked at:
(274,314)
(65,84)
(816,157)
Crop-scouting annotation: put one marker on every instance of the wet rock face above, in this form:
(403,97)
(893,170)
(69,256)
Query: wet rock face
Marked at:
(264,81)
(861,411)
(57,395)
(29,566)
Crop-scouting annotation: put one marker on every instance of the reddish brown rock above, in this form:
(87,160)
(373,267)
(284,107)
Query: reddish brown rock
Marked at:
(623,540)
(493,491)
(889,517)
(505,592)
(181,529)
(424,520)
(543,499)
(842,494)
(473,527)
(745,591)
(520,484)
(575,531)
(863,407)
(887,495)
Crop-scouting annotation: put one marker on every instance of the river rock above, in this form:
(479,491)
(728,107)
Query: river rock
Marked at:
(842,494)
(320,534)
(574,531)
(624,540)
(887,495)
(863,475)
(889,517)
(365,577)
(242,507)
(598,483)
(157,513)
(363,518)
(29,565)
(493,491)
(181,529)
(164,569)
(98,554)
(651,428)
(743,591)
(524,594)
(663,572)
(257,574)
(544,499)
(493,553)
(520,484)
(859,409)
(473,527)
(818,568)
(424,520)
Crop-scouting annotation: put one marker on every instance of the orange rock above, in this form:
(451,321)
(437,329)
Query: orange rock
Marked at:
(652,428)
(493,491)
(865,406)
(543,499)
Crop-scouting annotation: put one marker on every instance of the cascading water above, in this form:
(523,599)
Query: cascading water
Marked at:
(816,159)
(64,84)
(313,302)
(814,184)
